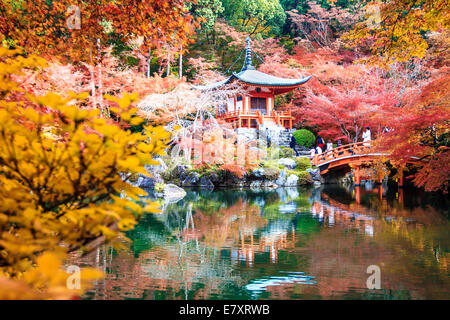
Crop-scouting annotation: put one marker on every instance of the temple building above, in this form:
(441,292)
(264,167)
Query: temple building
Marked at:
(255,108)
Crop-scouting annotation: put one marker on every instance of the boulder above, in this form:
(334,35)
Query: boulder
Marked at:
(291,181)
(145,182)
(162,167)
(271,174)
(173,193)
(281,178)
(315,174)
(287,163)
(206,183)
(192,179)
(180,172)
(214,178)
(258,173)
(149,182)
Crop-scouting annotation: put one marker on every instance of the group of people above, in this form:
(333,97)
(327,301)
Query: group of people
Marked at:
(320,144)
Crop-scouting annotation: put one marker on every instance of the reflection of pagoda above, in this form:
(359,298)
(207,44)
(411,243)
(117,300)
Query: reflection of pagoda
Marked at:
(255,109)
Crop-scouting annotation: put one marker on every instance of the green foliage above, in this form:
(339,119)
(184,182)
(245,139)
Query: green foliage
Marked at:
(287,152)
(303,176)
(273,163)
(304,138)
(207,170)
(303,163)
(209,10)
(255,16)
(159,187)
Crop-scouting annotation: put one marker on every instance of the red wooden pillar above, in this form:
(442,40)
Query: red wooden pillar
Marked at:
(358,194)
(400,196)
(380,192)
(400,179)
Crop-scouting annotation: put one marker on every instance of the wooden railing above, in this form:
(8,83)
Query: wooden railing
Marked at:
(359,148)
(283,114)
(260,117)
(231,114)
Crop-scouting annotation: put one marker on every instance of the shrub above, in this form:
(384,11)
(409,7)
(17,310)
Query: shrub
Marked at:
(303,176)
(304,138)
(235,169)
(287,152)
(303,163)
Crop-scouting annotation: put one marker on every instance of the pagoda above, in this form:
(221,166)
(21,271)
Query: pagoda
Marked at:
(255,108)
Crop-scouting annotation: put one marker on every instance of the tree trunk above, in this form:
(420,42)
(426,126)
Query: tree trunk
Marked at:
(149,60)
(92,80)
(168,66)
(100,82)
(180,68)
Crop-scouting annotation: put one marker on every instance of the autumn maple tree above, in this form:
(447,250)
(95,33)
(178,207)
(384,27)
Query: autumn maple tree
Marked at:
(395,31)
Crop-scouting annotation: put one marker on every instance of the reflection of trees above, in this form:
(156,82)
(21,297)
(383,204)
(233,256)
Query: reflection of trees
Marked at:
(224,227)
(297,244)
(407,242)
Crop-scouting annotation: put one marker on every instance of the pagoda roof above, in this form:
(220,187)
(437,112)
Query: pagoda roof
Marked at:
(250,76)
(256,78)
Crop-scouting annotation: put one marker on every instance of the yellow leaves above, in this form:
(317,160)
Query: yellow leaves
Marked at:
(59,170)
(152,207)
(126,224)
(131,163)
(47,280)
(398,35)
(123,102)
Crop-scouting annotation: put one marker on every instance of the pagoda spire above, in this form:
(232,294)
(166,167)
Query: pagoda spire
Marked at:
(248,57)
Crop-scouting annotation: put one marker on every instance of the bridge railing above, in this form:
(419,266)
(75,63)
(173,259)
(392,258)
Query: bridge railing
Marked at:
(341,152)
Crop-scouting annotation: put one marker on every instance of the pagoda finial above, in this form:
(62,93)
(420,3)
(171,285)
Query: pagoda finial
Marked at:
(248,56)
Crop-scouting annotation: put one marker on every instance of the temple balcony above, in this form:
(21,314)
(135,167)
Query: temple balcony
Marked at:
(256,119)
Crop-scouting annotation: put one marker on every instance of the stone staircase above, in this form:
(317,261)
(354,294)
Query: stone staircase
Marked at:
(283,138)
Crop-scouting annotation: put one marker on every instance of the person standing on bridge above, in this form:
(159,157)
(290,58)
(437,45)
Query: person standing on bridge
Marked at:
(318,150)
(339,144)
(366,136)
(320,142)
(329,145)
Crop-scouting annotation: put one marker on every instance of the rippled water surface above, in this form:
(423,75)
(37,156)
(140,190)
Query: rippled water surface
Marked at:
(283,244)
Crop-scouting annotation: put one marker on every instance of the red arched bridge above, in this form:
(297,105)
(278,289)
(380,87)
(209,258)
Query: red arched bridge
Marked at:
(354,155)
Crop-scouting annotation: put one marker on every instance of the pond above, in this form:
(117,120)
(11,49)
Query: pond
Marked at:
(284,244)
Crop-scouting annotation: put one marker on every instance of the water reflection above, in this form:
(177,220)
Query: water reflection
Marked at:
(283,244)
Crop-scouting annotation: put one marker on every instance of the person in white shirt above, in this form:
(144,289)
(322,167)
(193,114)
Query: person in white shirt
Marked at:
(366,136)
(329,145)
(318,150)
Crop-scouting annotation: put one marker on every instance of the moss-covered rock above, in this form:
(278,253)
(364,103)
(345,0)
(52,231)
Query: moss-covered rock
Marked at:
(304,177)
(302,163)
(271,173)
